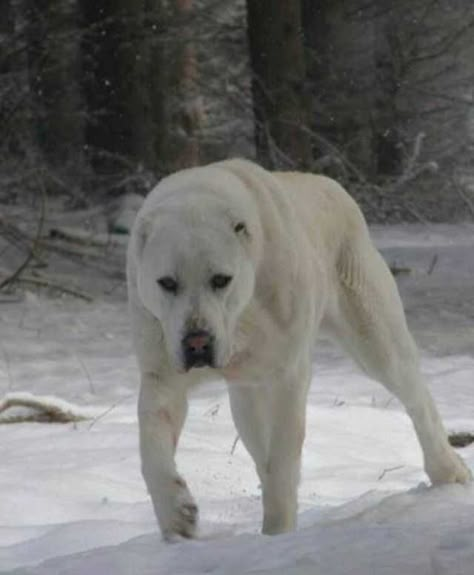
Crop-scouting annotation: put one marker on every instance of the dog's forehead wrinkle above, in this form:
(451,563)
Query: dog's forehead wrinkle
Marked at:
(203,205)
(197,248)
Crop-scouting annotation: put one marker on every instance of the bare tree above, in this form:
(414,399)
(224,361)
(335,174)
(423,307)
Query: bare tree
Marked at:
(279,94)
(7,17)
(52,72)
(183,105)
(153,81)
(115,83)
(6,84)
(386,138)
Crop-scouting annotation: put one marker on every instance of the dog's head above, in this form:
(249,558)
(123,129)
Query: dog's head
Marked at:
(196,275)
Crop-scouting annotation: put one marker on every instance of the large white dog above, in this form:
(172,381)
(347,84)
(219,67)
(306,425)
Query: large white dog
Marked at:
(234,269)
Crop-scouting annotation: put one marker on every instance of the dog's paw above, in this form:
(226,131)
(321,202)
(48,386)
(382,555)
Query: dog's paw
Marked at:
(450,469)
(180,516)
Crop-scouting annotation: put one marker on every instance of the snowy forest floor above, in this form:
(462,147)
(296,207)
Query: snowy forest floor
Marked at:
(72,500)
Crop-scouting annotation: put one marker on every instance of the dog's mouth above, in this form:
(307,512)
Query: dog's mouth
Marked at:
(198,349)
(200,363)
(227,367)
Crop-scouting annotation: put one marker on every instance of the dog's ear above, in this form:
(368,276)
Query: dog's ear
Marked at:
(240,228)
(250,237)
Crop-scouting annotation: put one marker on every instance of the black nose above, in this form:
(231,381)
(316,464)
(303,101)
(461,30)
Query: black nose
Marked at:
(198,349)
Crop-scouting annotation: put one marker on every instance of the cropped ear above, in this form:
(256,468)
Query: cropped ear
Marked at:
(250,239)
(240,228)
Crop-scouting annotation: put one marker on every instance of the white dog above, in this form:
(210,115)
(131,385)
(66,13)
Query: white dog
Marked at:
(234,269)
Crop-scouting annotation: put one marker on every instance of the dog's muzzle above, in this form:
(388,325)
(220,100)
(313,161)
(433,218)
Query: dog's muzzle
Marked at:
(198,349)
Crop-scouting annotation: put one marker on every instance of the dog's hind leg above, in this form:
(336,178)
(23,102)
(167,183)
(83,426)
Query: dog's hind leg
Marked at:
(369,321)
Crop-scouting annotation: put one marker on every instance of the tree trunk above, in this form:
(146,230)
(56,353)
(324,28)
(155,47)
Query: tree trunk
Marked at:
(111,60)
(184,109)
(6,22)
(153,80)
(126,84)
(316,25)
(387,144)
(52,73)
(278,83)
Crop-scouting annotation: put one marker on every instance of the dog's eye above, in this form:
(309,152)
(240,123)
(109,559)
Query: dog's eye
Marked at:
(220,281)
(169,284)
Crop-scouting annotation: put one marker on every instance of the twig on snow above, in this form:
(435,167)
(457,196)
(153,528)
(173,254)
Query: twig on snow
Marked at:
(434,261)
(108,410)
(388,470)
(234,445)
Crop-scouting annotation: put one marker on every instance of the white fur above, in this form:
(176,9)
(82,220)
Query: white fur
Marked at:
(303,262)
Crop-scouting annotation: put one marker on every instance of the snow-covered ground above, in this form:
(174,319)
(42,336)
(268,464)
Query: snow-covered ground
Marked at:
(72,500)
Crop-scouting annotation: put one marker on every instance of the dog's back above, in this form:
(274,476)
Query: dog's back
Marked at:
(326,210)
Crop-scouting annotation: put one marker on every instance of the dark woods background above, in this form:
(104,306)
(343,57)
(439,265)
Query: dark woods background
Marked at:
(99,98)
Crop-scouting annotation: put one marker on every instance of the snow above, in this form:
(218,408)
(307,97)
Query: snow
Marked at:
(73,500)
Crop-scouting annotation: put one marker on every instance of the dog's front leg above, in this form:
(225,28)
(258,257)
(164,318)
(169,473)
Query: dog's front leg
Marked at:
(162,407)
(282,474)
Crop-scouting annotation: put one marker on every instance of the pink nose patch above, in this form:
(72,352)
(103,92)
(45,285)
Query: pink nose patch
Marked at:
(198,343)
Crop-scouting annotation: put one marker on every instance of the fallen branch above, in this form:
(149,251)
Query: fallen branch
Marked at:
(413,174)
(461,438)
(397,270)
(17,238)
(10,298)
(31,254)
(90,257)
(83,237)
(44,282)
(415,213)
(464,198)
(42,409)
(67,248)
